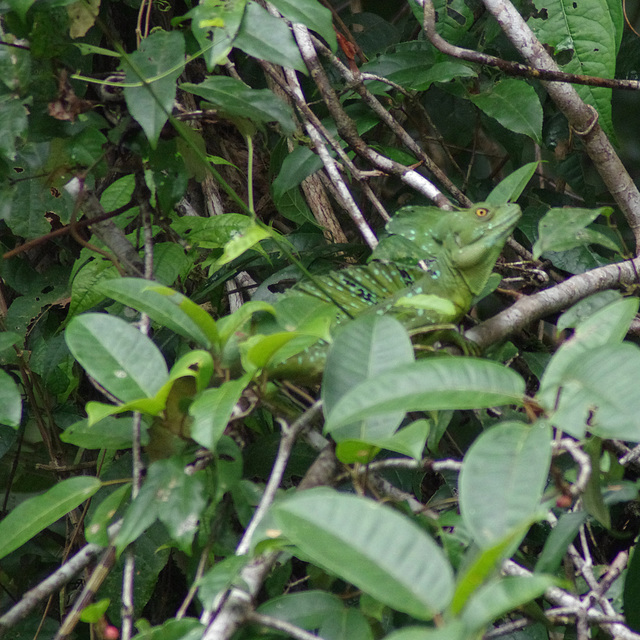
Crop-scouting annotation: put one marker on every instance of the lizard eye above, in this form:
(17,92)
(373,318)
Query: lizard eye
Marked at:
(481,212)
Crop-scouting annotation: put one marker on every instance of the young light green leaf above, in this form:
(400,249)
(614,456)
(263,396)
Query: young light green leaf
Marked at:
(371,546)
(212,409)
(267,38)
(515,105)
(502,480)
(498,598)
(234,97)
(120,358)
(427,385)
(564,229)
(158,62)
(37,513)
(242,242)
(165,306)
(365,348)
(10,401)
(513,185)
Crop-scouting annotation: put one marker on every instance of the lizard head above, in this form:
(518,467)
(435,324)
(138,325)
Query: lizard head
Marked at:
(472,240)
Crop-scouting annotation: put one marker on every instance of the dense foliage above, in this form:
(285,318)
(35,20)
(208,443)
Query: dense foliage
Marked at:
(169,468)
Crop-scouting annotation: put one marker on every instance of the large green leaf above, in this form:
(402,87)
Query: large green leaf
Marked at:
(598,392)
(37,513)
(515,105)
(430,384)
(371,546)
(563,229)
(235,98)
(120,358)
(10,401)
(165,306)
(267,38)
(586,37)
(503,476)
(158,63)
(364,349)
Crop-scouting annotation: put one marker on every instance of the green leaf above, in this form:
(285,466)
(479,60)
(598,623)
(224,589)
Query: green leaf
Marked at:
(31,199)
(230,324)
(10,401)
(592,498)
(170,495)
(37,513)
(267,38)
(371,546)
(503,476)
(498,598)
(84,291)
(165,306)
(158,63)
(567,385)
(235,98)
(215,24)
(307,609)
(515,105)
(96,530)
(607,325)
(556,544)
(631,594)
(564,229)
(365,348)
(211,233)
(511,187)
(583,310)
(452,631)
(438,72)
(20,7)
(349,624)
(586,37)
(312,14)
(297,165)
(120,358)
(108,433)
(427,385)
(482,566)
(212,409)
(242,242)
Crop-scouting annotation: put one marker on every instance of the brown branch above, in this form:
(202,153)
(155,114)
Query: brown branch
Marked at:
(63,231)
(516,68)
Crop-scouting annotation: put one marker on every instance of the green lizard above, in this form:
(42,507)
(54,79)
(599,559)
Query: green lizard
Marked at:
(425,273)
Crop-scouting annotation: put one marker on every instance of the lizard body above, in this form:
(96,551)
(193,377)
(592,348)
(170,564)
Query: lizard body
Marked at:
(426,272)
